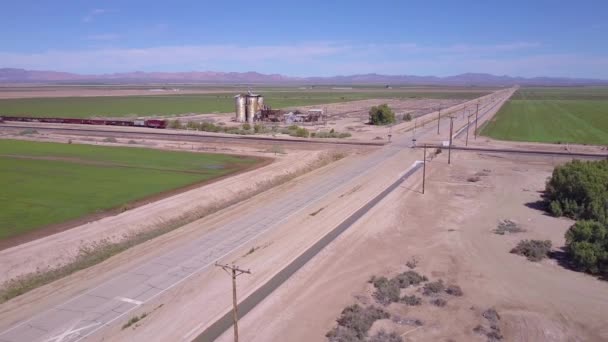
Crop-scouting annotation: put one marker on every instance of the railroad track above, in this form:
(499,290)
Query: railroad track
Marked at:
(530,152)
(185,136)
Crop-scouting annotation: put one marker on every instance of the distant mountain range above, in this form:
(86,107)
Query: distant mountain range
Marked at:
(13,76)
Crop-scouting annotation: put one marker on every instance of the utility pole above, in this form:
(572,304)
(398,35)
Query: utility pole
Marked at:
(438,120)
(476,117)
(424,169)
(468,125)
(450,143)
(234,271)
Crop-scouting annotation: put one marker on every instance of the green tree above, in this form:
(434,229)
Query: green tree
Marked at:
(381,115)
(579,190)
(587,243)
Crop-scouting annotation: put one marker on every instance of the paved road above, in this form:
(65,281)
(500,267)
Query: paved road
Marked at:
(98,307)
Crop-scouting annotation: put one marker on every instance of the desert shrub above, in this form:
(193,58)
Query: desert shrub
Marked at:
(383,336)
(358,319)
(207,126)
(433,288)
(109,140)
(408,278)
(381,115)
(175,124)
(411,300)
(407,117)
(454,290)
(132,142)
(259,128)
(473,179)
(491,315)
(412,263)
(193,125)
(246,126)
(300,133)
(28,131)
(579,190)
(331,134)
(440,302)
(387,291)
(342,334)
(508,226)
(587,246)
(534,250)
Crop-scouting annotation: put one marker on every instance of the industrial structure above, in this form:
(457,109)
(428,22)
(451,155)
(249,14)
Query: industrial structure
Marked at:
(247,106)
(250,107)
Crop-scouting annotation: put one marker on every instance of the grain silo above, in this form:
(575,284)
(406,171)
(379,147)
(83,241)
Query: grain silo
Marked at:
(252,106)
(240,109)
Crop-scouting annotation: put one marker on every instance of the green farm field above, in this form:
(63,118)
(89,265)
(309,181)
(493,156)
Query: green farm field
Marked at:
(147,105)
(51,183)
(553,115)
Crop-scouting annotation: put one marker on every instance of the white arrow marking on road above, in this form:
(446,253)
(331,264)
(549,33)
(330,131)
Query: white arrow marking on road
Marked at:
(70,332)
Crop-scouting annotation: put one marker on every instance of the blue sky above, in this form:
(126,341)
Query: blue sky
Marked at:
(309,38)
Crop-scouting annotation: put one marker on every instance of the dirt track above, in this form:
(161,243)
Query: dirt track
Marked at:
(536,301)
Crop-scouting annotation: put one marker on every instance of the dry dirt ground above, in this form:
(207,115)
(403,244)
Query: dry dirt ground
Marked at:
(449,229)
(348,117)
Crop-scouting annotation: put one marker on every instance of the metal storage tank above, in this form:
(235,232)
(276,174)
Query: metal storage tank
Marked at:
(260,103)
(252,107)
(239,104)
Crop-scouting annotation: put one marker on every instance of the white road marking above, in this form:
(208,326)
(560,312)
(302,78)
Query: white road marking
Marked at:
(129,300)
(71,331)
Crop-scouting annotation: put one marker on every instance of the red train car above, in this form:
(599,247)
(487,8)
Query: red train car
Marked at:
(152,123)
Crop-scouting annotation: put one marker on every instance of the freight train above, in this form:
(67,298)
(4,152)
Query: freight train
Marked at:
(152,123)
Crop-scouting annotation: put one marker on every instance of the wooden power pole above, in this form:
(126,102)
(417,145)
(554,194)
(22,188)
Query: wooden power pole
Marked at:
(450,143)
(476,117)
(438,120)
(424,169)
(468,126)
(234,271)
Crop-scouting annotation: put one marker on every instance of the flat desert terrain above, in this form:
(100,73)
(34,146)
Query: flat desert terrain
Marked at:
(450,231)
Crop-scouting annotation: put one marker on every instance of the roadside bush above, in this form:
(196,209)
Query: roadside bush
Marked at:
(407,117)
(109,140)
(259,128)
(359,319)
(408,278)
(300,133)
(28,131)
(207,126)
(587,245)
(433,288)
(331,134)
(440,302)
(381,115)
(534,250)
(193,125)
(508,226)
(411,300)
(342,334)
(383,336)
(246,126)
(454,290)
(387,291)
(579,190)
(175,124)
